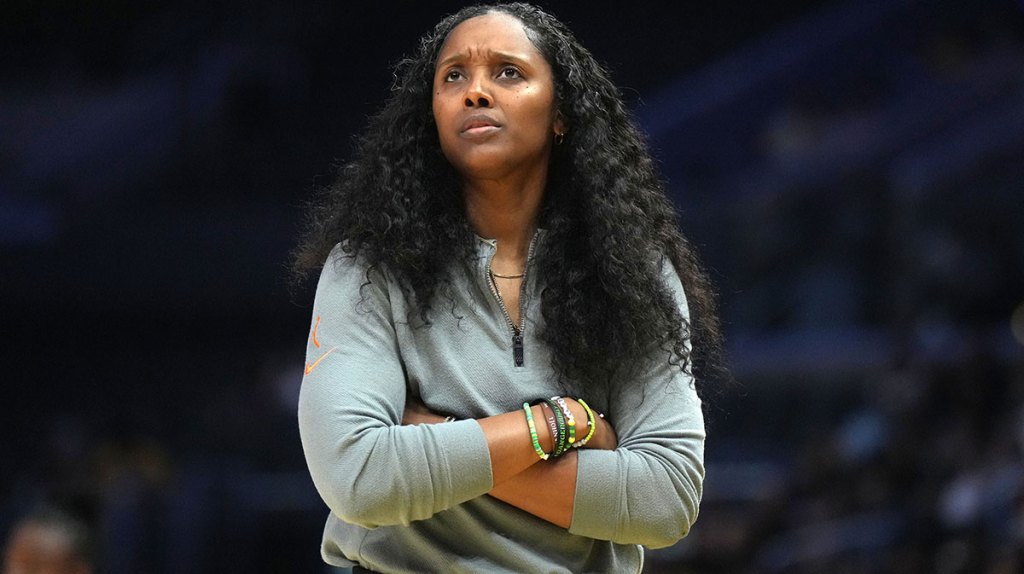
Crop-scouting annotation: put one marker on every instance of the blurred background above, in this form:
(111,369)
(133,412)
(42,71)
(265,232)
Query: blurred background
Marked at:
(853,173)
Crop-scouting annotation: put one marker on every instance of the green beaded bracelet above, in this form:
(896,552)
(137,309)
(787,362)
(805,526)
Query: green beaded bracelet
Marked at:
(533,432)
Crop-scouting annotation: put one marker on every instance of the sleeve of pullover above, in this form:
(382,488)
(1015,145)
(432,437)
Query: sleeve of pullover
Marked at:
(648,490)
(370,470)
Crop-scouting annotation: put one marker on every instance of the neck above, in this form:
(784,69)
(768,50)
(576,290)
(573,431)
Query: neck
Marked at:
(506,211)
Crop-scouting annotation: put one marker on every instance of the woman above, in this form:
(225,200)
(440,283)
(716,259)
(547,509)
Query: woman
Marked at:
(500,266)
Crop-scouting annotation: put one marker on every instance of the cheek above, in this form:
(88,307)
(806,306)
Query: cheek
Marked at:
(435,106)
(440,101)
(438,113)
(446,111)
(541,107)
(441,123)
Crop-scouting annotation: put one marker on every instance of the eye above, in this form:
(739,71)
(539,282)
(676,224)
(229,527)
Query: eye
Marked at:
(510,73)
(452,76)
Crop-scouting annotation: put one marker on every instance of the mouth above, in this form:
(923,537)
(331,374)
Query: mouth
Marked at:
(479,124)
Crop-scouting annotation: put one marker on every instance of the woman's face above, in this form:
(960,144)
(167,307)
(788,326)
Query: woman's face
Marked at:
(494,99)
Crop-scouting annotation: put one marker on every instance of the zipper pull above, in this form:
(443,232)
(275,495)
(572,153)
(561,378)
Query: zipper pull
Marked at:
(517,348)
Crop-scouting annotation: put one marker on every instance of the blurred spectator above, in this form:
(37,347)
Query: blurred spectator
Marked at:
(50,541)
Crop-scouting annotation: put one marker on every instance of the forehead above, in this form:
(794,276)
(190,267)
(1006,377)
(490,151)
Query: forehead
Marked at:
(491,32)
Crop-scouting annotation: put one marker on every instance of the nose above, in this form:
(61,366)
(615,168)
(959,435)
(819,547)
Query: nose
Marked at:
(478,94)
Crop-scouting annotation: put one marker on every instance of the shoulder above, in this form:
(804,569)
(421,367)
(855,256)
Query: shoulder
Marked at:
(670,279)
(348,273)
(344,259)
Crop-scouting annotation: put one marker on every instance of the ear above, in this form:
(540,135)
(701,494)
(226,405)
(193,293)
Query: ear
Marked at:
(560,126)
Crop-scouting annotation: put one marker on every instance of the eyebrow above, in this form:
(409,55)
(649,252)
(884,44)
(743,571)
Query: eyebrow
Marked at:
(492,54)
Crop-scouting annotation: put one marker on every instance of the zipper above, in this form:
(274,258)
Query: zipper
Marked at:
(518,354)
(517,333)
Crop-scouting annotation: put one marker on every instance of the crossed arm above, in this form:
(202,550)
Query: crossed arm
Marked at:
(546,489)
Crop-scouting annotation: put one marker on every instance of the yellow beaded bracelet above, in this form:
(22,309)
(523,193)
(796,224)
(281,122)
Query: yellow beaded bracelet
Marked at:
(591,423)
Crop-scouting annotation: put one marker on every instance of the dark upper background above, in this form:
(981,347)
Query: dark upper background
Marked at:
(139,136)
(850,170)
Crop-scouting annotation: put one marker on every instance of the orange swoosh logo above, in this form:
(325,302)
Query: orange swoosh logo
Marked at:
(315,327)
(311,366)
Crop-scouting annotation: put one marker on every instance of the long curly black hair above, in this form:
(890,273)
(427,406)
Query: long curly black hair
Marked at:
(399,204)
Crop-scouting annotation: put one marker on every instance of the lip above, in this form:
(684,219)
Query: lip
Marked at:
(479,124)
